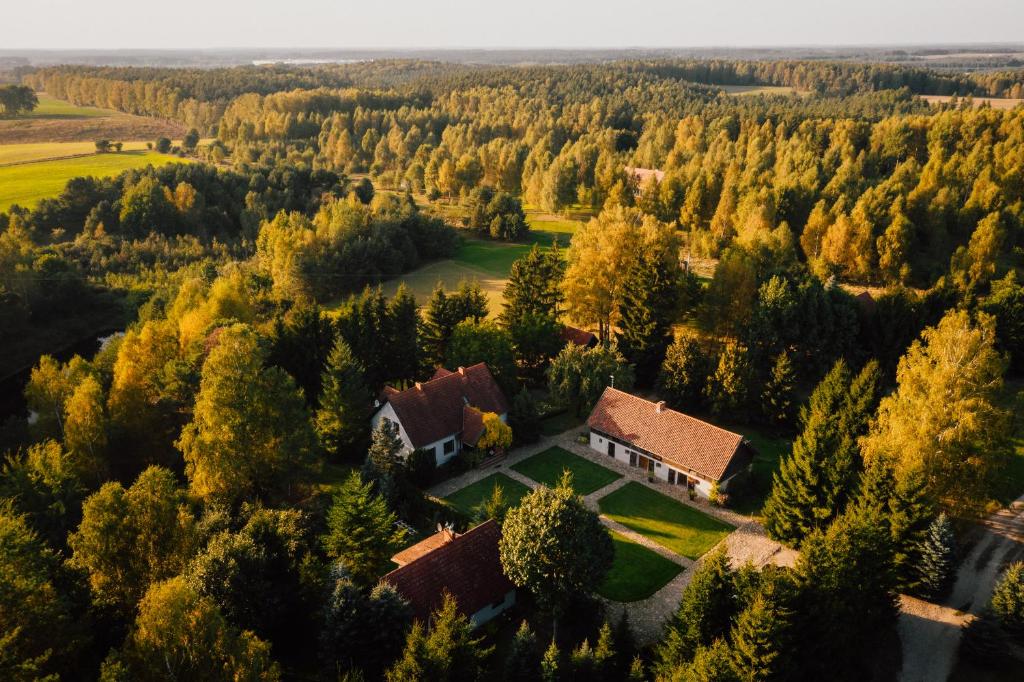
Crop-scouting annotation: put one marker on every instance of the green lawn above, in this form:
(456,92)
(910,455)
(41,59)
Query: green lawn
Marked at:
(672,525)
(469,498)
(637,572)
(38,151)
(493,256)
(547,467)
(57,108)
(26,184)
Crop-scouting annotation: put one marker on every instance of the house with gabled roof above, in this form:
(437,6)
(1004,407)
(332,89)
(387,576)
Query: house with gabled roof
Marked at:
(467,566)
(580,337)
(445,414)
(670,445)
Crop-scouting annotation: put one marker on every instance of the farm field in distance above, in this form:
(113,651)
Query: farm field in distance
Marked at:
(25,184)
(11,154)
(994,102)
(55,120)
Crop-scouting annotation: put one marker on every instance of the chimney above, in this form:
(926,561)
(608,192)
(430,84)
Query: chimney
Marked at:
(462,371)
(419,386)
(660,406)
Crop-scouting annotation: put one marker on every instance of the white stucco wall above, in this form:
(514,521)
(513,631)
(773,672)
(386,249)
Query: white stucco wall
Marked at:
(388,411)
(599,443)
(490,611)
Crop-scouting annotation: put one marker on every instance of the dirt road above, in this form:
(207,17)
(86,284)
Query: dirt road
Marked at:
(930,633)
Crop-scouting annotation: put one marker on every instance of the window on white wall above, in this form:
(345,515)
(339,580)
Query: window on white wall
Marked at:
(449,446)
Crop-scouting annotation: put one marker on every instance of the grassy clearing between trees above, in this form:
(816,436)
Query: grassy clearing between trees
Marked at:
(742,90)
(637,572)
(672,525)
(493,256)
(421,282)
(50,107)
(548,466)
(469,498)
(42,151)
(26,184)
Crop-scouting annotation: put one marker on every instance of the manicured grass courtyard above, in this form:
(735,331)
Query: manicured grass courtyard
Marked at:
(547,467)
(637,572)
(469,498)
(671,524)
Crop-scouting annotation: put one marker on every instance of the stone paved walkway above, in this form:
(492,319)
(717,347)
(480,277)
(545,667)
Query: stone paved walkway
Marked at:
(747,544)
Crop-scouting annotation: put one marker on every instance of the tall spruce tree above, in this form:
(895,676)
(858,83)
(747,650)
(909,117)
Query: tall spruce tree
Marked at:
(361,531)
(343,420)
(779,393)
(815,482)
(684,372)
(523,661)
(937,559)
(402,335)
(704,615)
(760,640)
(650,300)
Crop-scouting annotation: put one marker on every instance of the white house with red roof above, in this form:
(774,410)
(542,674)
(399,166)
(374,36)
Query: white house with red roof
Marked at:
(443,414)
(670,445)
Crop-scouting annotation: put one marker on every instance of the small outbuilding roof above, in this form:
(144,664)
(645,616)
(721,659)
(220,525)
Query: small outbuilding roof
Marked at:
(467,566)
(578,336)
(679,439)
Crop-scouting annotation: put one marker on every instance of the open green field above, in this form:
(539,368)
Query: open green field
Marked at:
(56,108)
(40,151)
(421,282)
(469,498)
(548,466)
(26,184)
(637,572)
(671,524)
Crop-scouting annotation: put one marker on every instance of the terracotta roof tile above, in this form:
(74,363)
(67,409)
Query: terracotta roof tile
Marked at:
(414,552)
(468,567)
(680,440)
(434,409)
(472,425)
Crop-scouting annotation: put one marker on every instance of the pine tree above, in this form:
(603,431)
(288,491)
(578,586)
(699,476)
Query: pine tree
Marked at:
(551,664)
(361,531)
(712,663)
(533,286)
(523,661)
(705,614)
(684,373)
(402,349)
(911,515)
(935,567)
(1008,598)
(384,464)
(778,396)
(582,664)
(438,323)
(646,313)
(815,482)
(605,655)
(342,422)
(727,389)
(759,641)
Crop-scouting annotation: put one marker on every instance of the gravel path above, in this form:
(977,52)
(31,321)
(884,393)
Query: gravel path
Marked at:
(930,633)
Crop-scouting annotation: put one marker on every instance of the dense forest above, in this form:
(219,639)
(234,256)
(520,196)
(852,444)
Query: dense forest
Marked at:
(205,498)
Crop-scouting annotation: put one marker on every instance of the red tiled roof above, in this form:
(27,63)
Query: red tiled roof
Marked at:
(434,409)
(680,440)
(577,336)
(468,568)
(472,425)
(423,547)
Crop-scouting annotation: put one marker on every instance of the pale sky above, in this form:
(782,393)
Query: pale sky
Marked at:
(106,24)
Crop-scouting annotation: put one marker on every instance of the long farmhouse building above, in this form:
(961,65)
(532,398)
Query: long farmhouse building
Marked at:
(670,445)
